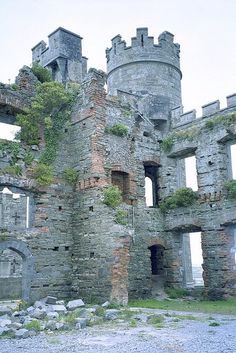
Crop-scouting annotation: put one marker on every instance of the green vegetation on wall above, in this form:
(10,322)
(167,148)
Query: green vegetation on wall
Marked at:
(121,216)
(70,175)
(43,174)
(182,197)
(46,113)
(118,130)
(230,187)
(192,132)
(42,74)
(112,196)
(12,149)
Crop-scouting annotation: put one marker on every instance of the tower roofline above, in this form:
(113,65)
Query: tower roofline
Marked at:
(66,31)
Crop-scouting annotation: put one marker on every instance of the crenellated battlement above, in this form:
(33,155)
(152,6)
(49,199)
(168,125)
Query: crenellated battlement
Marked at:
(63,56)
(179,118)
(145,67)
(143,48)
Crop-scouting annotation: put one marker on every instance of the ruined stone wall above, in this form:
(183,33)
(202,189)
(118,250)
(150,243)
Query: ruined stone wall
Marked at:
(47,231)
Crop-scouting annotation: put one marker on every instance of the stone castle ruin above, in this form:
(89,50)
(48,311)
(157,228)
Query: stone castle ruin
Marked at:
(65,239)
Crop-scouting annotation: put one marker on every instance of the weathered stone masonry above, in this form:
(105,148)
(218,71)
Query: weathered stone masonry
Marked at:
(75,247)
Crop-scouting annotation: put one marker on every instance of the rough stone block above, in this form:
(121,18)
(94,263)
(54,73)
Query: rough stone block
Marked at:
(22,333)
(74,304)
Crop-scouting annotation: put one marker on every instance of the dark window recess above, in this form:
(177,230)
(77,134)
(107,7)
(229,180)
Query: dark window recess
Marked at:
(67,248)
(147,134)
(157,257)
(66,130)
(91,208)
(142,42)
(56,248)
(151,172)
(60,208)
(45,285)
(121,179)
(91,255)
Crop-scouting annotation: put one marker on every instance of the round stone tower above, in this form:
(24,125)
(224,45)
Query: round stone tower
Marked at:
(145,68)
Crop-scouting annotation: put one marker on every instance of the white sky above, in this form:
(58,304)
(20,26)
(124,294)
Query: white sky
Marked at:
(196,248)
(205,30)
(191,173)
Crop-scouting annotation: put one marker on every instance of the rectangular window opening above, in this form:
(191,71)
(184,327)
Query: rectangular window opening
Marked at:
(192,259)
(191,173)
(233,160)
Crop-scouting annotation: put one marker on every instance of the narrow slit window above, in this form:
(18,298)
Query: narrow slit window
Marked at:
(142,42)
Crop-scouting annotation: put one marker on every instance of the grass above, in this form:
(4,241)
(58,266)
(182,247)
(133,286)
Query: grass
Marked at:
(175,293)
(70,318)
(214,324)
(156,321)
(33,325)
(227,307)
(133,323)
(186,317)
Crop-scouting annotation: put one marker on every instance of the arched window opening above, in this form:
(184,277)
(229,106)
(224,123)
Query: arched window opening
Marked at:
(16,270)
(151,185)
(10,274)
(149,192)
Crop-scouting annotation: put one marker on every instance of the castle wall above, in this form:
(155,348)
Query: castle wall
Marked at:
(74,243)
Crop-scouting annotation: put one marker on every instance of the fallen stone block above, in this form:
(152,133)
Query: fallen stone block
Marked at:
(111,314)
(38,314)
(52,315)
(74,304)
(59,308)
(22,333)
(51,300)
(81,323)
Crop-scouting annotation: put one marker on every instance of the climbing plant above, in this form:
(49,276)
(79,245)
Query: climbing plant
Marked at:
(49,111)
(42,74)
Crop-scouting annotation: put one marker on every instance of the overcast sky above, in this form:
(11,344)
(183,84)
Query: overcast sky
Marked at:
(205,29)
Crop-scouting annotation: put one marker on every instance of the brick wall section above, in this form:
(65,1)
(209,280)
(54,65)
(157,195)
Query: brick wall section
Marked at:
(119,279)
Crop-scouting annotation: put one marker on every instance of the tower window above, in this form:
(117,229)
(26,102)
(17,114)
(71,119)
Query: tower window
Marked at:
(142,42)
(151,185)
(187,173)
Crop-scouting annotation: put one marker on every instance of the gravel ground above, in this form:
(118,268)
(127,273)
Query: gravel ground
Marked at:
(179,335)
